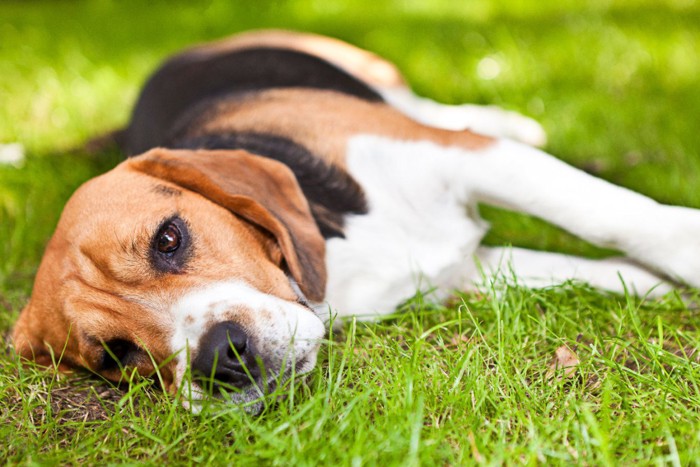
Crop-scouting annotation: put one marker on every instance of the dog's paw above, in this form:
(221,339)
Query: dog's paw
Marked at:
(487,120)
(673,247)
(494,121)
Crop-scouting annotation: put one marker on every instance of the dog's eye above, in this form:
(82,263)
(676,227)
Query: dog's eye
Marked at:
(169,239)
(171,246)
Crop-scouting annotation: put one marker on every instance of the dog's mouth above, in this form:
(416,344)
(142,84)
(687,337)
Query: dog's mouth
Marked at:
(249,392)
(254,397)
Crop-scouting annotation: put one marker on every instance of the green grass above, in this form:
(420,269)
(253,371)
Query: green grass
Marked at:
(617,86)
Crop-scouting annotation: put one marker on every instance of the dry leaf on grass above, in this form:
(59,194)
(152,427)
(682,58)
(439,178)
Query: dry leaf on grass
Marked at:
(564,359)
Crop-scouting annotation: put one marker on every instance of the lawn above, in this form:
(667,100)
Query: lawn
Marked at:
(616,84)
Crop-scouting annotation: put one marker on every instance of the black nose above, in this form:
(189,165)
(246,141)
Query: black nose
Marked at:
(225,355)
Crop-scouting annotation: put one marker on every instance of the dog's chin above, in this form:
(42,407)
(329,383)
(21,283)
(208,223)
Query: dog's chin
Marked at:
(251,398)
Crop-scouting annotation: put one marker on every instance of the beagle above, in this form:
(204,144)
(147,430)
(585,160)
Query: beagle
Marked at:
(285,177)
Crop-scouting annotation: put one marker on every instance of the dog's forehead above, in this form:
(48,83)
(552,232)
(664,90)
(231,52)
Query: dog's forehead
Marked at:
(119,199)
(120,189)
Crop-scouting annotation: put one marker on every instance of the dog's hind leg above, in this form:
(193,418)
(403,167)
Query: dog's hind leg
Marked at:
(536,269)
(487,120)
(666,239)
(661,237)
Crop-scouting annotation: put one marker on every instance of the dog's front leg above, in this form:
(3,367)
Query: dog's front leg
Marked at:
(537,269)
(515,176)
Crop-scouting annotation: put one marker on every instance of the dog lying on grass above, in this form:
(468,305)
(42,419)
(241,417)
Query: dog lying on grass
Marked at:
(276,178)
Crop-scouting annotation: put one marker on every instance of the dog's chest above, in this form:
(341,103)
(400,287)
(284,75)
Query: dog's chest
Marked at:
(417,234)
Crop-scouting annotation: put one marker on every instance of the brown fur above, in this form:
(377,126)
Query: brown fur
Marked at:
(96,264)
(321,121)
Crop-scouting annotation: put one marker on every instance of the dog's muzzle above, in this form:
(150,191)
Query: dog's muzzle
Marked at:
(235,342)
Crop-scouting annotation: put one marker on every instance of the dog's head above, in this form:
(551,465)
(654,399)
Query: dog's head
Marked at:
(177,261)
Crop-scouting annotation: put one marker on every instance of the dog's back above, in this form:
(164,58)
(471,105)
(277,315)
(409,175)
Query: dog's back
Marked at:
(245,64)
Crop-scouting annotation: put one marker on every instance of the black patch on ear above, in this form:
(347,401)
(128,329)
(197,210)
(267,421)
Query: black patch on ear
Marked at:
(193,77)
(331,192)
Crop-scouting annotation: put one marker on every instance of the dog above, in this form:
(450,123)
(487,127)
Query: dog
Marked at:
(277,178)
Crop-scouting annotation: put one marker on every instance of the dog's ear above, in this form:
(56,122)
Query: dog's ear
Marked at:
(262,191)
(26,340)
(31,341)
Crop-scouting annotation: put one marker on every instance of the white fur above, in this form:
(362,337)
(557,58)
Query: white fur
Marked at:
(423,229)
(286,333)
(487,120)
(541,269)
(415,234)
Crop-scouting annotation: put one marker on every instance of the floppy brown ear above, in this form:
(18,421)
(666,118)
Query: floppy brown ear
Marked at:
(262,191)
(42,332)
(28,340)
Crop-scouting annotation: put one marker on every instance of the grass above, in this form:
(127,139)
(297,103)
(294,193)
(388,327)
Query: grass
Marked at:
(616,84)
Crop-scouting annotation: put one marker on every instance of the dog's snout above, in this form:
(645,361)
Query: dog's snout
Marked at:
(225,355)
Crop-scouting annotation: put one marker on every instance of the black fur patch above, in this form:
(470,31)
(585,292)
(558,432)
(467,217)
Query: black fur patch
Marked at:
(192,77)
(331,191)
